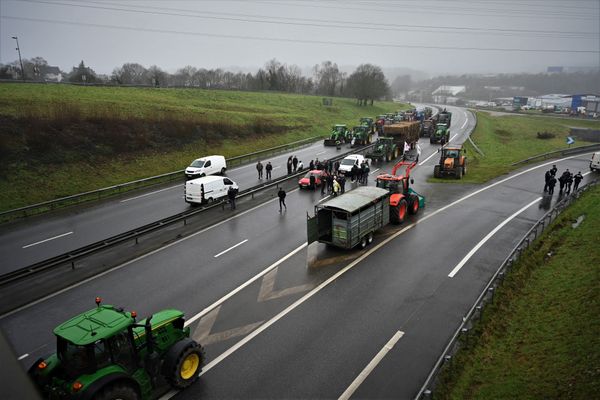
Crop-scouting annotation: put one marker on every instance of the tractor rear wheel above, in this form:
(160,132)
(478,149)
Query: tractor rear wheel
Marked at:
(398,213)
(183,363)
(396,153)
(436,171)
(464,166)
(413,204)
(118,391)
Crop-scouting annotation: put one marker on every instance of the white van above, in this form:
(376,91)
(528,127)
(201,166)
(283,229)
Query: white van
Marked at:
(347,163)
(595,162)
(207,189)
(205,166)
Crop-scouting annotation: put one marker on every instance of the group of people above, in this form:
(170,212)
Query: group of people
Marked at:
(268,168)
(565,181)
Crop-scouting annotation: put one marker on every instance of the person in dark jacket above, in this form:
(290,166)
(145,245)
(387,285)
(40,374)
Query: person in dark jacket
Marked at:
(295,163)
(336,167)
(323,183)
(577,178)
(342,181)
(329,183)
(551,184)
(312,182)
(547,177)
(231,193)
(281,194)
(354,173)
(311,165)
(269,169)
(259,168)
(553,170)
(569,182)
(290,165)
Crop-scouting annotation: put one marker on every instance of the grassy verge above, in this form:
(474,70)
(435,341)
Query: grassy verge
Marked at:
(58,140)
(540,339)
(507,139)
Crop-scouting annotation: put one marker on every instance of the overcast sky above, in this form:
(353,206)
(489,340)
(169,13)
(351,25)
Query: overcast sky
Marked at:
(422,35)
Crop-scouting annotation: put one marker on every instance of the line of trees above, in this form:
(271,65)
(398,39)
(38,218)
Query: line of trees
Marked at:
(367,83)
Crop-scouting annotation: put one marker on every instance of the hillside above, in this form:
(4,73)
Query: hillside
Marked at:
(65,139)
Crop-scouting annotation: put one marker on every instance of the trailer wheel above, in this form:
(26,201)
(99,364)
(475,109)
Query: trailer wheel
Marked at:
(183,363)
(363,242)
(395,153)
(398,213)
(370,238)
(413,204)
(436,171)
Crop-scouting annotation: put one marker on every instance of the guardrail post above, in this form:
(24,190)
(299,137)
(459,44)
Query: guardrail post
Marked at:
(72,265)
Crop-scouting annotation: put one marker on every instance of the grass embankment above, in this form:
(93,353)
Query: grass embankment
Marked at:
(508,139)
(540,338)
(57,140)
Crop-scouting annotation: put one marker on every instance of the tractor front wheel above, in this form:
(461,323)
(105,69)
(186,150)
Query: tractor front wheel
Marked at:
(436,171)
(458,172)
(413,204)
(396,153)
(183,363)
(398,213)
(118,391)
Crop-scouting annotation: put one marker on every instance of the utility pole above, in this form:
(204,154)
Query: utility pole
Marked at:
(20,60)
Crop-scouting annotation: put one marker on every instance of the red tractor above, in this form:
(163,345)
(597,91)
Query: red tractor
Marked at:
(402,199)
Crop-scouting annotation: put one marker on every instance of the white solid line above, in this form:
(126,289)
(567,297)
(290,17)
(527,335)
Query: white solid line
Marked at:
(321,152)
(231,248)
(487,237)
(149,193)
(427,159)
(23,356)
(455,135)
(247,283)
(371,366)
(375,170)
(47,240)
(118,267)
(307,296)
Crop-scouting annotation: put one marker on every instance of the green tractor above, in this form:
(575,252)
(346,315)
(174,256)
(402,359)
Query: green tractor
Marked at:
(361,136)
(441,131)
(339,134)
(385,149)
(368,122)
(105,354)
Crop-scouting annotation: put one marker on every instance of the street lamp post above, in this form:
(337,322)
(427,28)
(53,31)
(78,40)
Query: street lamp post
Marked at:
(20,60)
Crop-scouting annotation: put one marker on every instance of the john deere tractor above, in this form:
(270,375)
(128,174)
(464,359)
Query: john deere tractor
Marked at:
(106,354)
(441,131)
(452,162)
(339,135)
(385,149)
(361,135)
(369,123)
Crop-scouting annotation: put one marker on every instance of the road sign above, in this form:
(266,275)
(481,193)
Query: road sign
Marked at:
(570,140)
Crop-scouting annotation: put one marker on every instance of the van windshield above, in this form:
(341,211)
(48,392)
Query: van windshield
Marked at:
(348,161)
(197,164)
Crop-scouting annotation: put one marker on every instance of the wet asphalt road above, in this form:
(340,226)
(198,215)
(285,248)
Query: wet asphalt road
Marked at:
(321,345)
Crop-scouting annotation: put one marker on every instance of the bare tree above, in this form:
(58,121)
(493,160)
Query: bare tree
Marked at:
(368,82)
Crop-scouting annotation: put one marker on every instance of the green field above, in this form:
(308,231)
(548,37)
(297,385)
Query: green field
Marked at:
(508,139)
(540,338)
(64,139)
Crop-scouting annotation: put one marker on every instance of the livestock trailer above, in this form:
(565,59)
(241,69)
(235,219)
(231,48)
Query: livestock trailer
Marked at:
(351,218)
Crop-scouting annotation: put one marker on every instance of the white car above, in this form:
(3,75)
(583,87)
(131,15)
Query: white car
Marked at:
(347,163)
(205,166)
(207,189)
(595,162)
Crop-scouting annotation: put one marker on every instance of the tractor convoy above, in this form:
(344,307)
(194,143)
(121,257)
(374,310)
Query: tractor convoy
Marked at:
(105,354)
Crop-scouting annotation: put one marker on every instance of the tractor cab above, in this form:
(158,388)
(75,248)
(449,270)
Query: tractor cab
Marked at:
(403,199)
(368,121)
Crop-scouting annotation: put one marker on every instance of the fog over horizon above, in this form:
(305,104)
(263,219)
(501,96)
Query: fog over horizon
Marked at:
(428,37)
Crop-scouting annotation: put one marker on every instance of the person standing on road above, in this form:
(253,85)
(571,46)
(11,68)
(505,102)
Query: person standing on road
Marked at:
(329,183)
(336,188)
(231,194)
(342,182)
(323,183)
(259,168)
(312,182)
(269,169)
(295,163)
(569,182)
(281,194)
(577,178)
(336,166)
(553,170)
(551,184)
(547,177)
(311,165)
(290,164)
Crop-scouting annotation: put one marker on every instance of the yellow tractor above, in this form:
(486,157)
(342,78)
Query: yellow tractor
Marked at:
(452,162)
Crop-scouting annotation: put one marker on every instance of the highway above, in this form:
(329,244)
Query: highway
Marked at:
(280,319)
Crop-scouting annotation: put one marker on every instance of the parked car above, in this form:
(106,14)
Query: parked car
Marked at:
(350,161)
(595,162)
(319,175)
(205,166)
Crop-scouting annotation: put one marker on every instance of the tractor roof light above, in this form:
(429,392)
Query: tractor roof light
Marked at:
(98,301)
(77,386)
(133,315)
(42,365)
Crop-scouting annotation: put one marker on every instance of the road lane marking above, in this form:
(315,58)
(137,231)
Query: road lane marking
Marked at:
(455,135)
(371,366)
(467,120)
(487,237)
(23,356)
(231,248)
(321,152)
(375,170)
(47,240)
(427,159)
(149,193)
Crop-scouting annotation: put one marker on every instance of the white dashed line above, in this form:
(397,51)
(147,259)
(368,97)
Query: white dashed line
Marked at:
(47,240)
(231,248)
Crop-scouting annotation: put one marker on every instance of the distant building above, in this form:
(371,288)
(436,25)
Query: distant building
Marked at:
(445,92)
(51,74)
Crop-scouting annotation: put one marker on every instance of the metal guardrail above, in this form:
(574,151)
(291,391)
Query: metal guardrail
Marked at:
(134,234)
(477,149)
(445,359)
(145,182)
(563,152)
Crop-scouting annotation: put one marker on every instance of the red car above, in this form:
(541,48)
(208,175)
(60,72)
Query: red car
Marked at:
(319,175)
